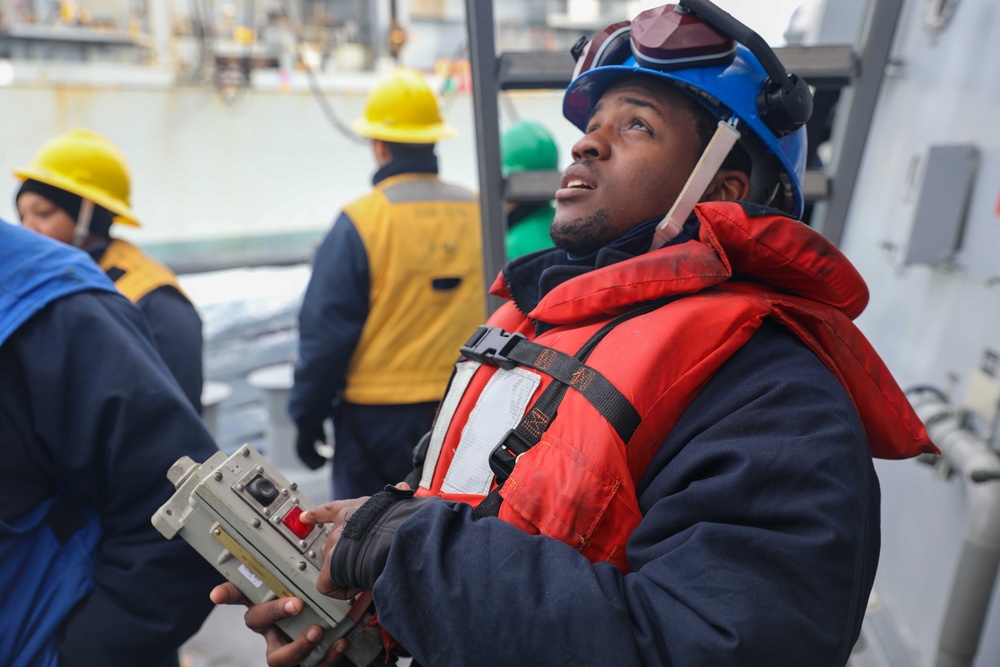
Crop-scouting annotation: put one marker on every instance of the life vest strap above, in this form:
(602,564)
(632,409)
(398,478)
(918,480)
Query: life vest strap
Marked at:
(493,345)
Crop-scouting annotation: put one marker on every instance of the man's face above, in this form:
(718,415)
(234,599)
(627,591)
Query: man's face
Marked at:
(639,148)
(40,215)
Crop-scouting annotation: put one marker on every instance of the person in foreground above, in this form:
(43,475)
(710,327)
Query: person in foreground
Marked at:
(90,421)
(657,455)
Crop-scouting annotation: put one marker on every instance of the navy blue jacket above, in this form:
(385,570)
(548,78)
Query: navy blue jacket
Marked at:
(753,550)
(334,311)
(734,562)
(177,332)
(89,407)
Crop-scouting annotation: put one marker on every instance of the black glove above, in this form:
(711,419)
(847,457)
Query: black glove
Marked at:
(305,445)
(363,548)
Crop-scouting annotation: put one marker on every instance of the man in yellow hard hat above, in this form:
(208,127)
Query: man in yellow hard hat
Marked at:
(396,286)
(73,190)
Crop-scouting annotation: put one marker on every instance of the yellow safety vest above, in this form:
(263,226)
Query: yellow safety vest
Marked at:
(134,273)
(426,293)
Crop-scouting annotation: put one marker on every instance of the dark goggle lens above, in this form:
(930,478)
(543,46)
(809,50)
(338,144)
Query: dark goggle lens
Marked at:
(662,38)
(608,47)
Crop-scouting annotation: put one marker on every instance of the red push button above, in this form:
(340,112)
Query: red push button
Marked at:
(292,521)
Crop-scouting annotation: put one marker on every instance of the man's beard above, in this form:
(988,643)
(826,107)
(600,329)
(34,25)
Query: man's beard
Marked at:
(583,236)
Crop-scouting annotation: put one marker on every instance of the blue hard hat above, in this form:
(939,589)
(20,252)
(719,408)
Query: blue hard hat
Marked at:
(725,90)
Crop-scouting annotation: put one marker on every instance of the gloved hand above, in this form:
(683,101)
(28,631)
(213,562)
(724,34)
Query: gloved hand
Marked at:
(305,445)
(357,548)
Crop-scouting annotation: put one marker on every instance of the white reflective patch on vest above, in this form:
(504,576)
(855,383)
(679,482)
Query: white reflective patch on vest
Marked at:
(498,409)
(464,370)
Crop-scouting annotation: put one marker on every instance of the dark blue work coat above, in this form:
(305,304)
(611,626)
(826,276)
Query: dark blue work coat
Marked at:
(90,418)
(753,550)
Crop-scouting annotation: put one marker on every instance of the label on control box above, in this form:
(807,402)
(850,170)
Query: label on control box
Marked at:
(251,577)
(255,573)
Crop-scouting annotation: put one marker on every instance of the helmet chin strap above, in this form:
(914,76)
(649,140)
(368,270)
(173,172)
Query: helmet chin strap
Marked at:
(725,137)
(82,229)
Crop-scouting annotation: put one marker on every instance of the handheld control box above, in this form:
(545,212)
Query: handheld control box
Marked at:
(242,515)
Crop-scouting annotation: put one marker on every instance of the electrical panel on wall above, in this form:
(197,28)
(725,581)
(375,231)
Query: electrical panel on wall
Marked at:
(943,203)
(979,256)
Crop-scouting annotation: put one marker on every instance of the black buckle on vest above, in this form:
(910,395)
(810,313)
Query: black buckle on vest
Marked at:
(503,457)
(491,345)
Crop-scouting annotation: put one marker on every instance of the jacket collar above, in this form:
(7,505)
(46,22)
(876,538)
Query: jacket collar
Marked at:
(406,165)
(530,277)
(752,243)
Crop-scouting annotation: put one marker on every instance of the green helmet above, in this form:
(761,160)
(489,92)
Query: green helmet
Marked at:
(528,146)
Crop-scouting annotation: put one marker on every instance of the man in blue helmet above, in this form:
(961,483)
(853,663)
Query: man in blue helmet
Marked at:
(659,450)
(90,421)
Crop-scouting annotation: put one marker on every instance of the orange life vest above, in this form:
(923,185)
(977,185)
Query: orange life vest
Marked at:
(578,483)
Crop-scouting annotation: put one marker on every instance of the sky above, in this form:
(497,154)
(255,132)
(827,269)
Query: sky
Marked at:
(768,18)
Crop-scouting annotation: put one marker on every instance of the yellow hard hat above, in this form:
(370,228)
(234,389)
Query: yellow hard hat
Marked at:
(88,165)
(403,108)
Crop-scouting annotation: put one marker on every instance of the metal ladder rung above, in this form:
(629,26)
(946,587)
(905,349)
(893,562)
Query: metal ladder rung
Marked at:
(820,66)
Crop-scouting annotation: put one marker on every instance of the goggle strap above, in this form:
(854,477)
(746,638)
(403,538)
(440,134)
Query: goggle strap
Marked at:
(724,22)
(725,137)
(667,64)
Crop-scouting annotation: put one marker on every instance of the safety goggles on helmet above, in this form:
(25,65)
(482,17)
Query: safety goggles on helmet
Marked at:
(726,67)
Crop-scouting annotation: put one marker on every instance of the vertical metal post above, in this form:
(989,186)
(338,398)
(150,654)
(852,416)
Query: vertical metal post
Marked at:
(374,24)
(854,120)
(158,16)
(483,65)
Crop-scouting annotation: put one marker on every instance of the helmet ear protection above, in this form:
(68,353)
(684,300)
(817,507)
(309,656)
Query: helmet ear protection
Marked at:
(785,101)
(696,33)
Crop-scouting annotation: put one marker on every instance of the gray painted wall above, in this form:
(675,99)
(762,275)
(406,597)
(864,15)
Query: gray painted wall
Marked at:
(931,324)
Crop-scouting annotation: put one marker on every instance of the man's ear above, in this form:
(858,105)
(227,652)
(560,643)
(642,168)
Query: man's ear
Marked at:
(383,154)
(728,185)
